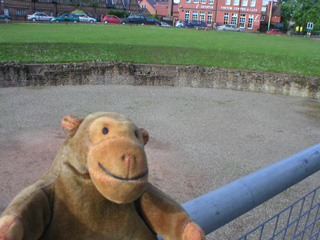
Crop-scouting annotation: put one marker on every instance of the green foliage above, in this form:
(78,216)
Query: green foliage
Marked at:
(118,13)
(301,12)
(78,11)
(50,43)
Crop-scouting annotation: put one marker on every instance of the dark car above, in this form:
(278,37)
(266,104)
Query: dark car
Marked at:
(5,17)
(152,21)
(135,19)
(67,17)
(195,23)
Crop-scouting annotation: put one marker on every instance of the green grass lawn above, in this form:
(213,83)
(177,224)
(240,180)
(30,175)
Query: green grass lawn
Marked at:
(51,43)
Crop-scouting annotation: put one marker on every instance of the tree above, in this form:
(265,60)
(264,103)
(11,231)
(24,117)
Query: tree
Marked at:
(301,12)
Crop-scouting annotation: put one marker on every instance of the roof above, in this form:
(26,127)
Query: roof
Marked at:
(152,3)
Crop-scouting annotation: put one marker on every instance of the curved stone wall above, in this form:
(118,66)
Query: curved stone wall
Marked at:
(14,74)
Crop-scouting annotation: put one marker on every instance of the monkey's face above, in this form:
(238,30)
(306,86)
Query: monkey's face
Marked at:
(116,159)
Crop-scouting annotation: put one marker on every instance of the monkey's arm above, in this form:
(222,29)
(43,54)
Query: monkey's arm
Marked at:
(27,215)
(167,218)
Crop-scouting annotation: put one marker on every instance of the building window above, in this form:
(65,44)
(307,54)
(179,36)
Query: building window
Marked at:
(228,2)
(21,13)
(226,18)
(188,1)
(262,18)
(202,16)
(143,6)
(194,15)
(187,15)
(244,3)
(234,18)
(211,1)
(195,1)
(203,1)
(250,21)
(236,2)
(45,1)
(253,3)
(209,17)
(242,23)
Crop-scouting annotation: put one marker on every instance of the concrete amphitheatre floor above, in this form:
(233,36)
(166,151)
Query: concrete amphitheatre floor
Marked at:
(201,139)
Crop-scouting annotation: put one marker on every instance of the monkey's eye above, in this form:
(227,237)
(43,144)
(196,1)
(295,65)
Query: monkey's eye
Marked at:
(105,130)
(136,134)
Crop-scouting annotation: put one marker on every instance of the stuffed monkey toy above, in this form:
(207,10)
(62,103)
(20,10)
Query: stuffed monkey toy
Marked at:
(97,189)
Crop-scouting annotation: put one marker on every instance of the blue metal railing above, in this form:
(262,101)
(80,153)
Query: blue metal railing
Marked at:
(219,207)
(302,224)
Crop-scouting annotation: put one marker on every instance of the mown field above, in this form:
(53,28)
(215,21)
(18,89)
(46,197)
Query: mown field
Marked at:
(52,43)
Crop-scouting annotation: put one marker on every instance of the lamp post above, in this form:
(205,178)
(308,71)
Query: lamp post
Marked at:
(270,15)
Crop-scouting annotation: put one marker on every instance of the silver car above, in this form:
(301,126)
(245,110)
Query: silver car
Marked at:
(85,18)
(39,16)
(230,27)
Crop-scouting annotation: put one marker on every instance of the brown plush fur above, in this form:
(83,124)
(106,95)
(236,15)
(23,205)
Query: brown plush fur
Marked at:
(97,189)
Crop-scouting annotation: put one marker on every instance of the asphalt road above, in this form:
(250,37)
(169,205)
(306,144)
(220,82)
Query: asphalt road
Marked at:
(200,139)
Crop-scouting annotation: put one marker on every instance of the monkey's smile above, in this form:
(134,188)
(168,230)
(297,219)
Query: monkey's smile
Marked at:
(120,178)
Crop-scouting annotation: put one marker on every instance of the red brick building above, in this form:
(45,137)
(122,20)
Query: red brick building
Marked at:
(19,9)
(245,14)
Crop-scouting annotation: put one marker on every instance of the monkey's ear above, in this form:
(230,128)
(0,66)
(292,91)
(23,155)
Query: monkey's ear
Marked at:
(145,135)
(70,125)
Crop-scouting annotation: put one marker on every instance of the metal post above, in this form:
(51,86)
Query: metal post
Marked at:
(270,15)
(215,209)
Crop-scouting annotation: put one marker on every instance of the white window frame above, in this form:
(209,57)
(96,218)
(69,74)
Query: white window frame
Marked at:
(211,1)
(252,3)
(195,15)
(188,1)
(226,18)
(234,18)
(210,17)
(187,15)
(202,16)
(242,22)
(250,21)
(235,2)
(195,1)
(244,3)
(203,1)
(228,2)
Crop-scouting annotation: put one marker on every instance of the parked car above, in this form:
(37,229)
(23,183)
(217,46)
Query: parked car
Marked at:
(67,17)
(229,27)
(195,23)
(191,24)
(85,18)
(152,21)
(5,17)
(135,19)
(275,31)
(39,16)
(111,19)
(181,23)
(164,24)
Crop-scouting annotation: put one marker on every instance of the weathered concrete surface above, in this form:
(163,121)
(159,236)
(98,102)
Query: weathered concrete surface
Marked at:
(103,73)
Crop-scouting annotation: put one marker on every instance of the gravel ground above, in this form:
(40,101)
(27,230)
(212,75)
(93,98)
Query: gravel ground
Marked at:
(201,139)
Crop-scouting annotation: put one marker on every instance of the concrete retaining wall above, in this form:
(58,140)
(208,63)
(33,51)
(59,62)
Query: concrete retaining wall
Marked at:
(20,75)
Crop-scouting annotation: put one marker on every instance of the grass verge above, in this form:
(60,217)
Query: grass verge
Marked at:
(51,43)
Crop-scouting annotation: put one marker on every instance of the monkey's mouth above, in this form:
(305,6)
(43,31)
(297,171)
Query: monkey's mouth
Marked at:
(120,178)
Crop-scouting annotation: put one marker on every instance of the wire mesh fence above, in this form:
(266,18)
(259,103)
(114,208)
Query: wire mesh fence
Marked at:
(301,220)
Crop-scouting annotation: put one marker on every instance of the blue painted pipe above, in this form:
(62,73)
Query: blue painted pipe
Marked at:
(217,208)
